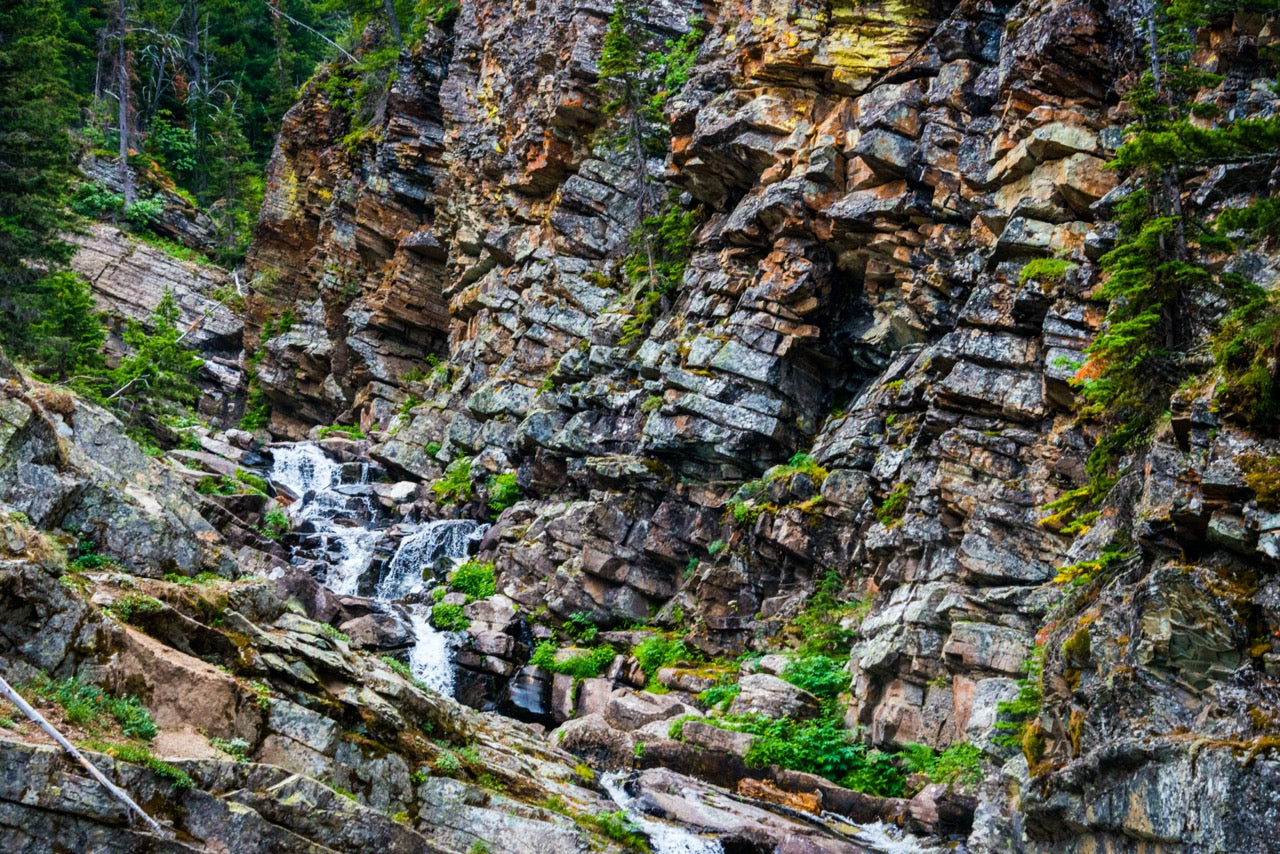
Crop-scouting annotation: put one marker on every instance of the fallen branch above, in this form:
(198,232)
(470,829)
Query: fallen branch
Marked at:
(7,691)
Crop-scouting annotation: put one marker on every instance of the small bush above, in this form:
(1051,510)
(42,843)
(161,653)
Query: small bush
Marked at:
(449,618)
(133,604)
(275,524)
(819,675)
(87,705)
(589,664)
(447,763)
(144,212)
(503,491)
(475,579)
(236,747)
(455,486)
(658,652)
(581,627)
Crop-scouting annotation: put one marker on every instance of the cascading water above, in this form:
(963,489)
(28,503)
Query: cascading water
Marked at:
(664,838)
(446,541)
(345,524)
(340,520)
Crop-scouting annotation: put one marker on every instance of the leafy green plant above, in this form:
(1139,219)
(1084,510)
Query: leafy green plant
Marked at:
(447,763)
(85,704)
(959,763)
(657,652)
(275,524)
(894,507)
(581,626)
(719,696)
(449,618)
(821,747)
(503,491)
(588,664)
(455,486)
(133,604)
(236,747)
(820,675)
(477,580)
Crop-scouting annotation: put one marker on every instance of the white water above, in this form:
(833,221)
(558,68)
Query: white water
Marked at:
(664,838)
(342,522)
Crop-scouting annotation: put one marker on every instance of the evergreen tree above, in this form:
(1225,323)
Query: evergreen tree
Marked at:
(1155,278)
(68,339)
(158,377)
(34,163)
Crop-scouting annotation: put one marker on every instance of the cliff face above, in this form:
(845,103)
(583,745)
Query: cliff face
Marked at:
(870,181)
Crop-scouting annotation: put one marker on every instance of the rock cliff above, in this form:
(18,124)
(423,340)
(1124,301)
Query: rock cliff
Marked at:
(858,389)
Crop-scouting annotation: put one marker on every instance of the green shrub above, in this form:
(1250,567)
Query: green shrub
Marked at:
(821,747)
(144,212)
(275,524)
(449,618)
(1017,714)
(818,674)
(959,763)
(477,580)
(589,664)
(455,486)
(718,697)
(819,626)
(800,463)
(503,491)
(581,627)
(894,506)
(657,652)
(92,199)
(133,604)
(447,763)
(236,747)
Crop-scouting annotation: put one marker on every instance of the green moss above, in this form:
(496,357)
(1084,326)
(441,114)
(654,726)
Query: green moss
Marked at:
(1262,475)
(1075,649)
(1045,270)
(894,507)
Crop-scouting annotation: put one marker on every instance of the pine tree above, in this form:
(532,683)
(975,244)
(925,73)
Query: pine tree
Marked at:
(1155,277)
(34,166)
(68,339)
(158,377)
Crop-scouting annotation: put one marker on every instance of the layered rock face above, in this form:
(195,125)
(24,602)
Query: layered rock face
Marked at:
(870,182)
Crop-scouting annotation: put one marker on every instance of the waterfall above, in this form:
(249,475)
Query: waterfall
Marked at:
(445,539)
(664,838)
(346,524)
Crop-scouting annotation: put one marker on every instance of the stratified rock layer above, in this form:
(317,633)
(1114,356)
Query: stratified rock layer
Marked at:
(870,182)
